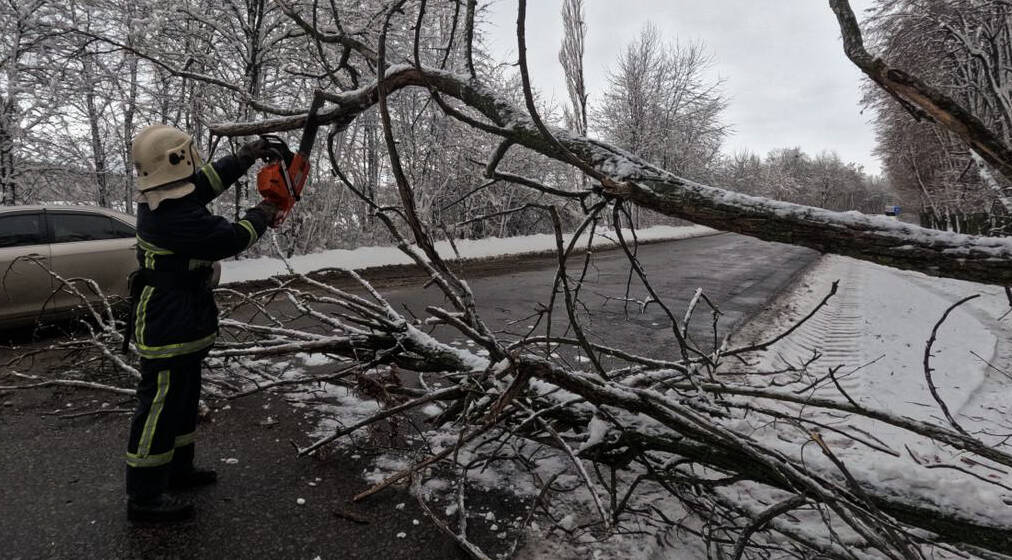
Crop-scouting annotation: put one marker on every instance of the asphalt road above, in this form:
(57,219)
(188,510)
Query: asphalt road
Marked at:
(61,494)
(61,479)
(738,274)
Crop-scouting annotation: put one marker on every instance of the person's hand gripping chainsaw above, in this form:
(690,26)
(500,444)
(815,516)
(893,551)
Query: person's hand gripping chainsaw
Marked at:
(281,181)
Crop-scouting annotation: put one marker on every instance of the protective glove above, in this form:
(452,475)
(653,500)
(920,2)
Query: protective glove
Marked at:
(271,210)
(252,151)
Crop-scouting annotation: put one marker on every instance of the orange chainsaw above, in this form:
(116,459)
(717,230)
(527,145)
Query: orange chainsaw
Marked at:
(281,181)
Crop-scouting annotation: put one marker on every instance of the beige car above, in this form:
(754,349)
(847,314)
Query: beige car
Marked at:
(72,241)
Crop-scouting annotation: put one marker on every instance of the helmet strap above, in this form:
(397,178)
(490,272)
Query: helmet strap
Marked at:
(168,185)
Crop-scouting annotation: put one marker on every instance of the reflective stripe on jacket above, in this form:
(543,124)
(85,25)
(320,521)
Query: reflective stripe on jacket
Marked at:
(180,240)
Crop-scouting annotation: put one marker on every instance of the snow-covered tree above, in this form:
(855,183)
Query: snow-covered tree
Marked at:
(660,104)
(963,48)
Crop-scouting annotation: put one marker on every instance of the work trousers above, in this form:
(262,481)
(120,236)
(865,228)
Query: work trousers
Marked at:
(161,441)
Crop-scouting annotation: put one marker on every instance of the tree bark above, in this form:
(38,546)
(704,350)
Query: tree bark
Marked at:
(919,97)
(97,147)
(128,134)
(8,177)
(870,238)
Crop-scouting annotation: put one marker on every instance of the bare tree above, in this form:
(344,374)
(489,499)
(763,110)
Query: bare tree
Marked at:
(660,106)
(574,29)
(947,65)
(22,68)
(791,175)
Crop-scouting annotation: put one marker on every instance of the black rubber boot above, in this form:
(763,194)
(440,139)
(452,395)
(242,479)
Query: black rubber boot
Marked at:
(159,509)
(183,475)
(193,478)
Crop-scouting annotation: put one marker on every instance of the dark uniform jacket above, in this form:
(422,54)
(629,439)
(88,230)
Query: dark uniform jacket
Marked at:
(176,246)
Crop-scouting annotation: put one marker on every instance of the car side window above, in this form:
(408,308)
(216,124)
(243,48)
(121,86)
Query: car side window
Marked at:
(22,229)
(119,229)
(68,228)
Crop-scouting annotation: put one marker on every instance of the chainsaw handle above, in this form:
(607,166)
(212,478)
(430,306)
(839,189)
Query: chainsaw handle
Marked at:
(278,149)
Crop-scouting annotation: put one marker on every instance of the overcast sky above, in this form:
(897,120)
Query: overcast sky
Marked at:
(782,61)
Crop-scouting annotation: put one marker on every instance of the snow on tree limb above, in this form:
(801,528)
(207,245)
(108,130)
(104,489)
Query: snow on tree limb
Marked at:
(922,99)
(871,238)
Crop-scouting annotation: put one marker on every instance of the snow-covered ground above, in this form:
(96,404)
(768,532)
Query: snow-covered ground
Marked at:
(368,257)
(875,328)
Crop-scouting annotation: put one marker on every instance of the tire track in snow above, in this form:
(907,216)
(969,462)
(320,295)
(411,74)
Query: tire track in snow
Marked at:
(835,332)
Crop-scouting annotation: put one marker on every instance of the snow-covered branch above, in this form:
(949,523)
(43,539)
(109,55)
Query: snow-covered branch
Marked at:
(870,238)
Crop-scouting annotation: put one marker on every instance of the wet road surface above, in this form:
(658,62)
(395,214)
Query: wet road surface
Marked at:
(61,479)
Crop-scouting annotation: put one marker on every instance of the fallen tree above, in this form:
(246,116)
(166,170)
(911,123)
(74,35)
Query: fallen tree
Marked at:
(625,176)
(724,444)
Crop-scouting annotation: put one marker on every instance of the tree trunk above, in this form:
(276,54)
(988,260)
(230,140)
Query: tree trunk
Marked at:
(8,176)
(128,130)
(97,148)
(626,176)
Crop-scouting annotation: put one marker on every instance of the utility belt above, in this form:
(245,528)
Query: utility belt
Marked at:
(193,280)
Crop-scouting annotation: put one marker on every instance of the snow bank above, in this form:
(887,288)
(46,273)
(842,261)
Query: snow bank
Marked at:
(367,257)
(876,327)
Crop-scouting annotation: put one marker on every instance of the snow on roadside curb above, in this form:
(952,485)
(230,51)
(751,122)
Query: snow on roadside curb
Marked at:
(369,257)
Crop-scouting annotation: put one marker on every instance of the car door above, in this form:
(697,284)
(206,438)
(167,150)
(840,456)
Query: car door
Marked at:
(94,246)
(25,284)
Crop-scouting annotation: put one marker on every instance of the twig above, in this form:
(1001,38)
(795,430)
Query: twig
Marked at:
(897,542)
(401,475)
(386,413)
(578,464)
(532,509)
(70,383)
(927,363)
(351,516)
(795,326)
(473,550)
(763,519)
(96,412)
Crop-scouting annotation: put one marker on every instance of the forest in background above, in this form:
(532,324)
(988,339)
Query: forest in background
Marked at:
(964,48)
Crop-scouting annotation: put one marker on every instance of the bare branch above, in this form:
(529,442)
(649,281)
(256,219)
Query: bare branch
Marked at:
(914,92)
(927,363)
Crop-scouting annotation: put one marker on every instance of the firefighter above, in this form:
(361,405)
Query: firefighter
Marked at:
(174,319)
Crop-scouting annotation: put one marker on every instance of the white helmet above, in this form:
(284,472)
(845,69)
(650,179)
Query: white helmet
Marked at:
(166,161)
